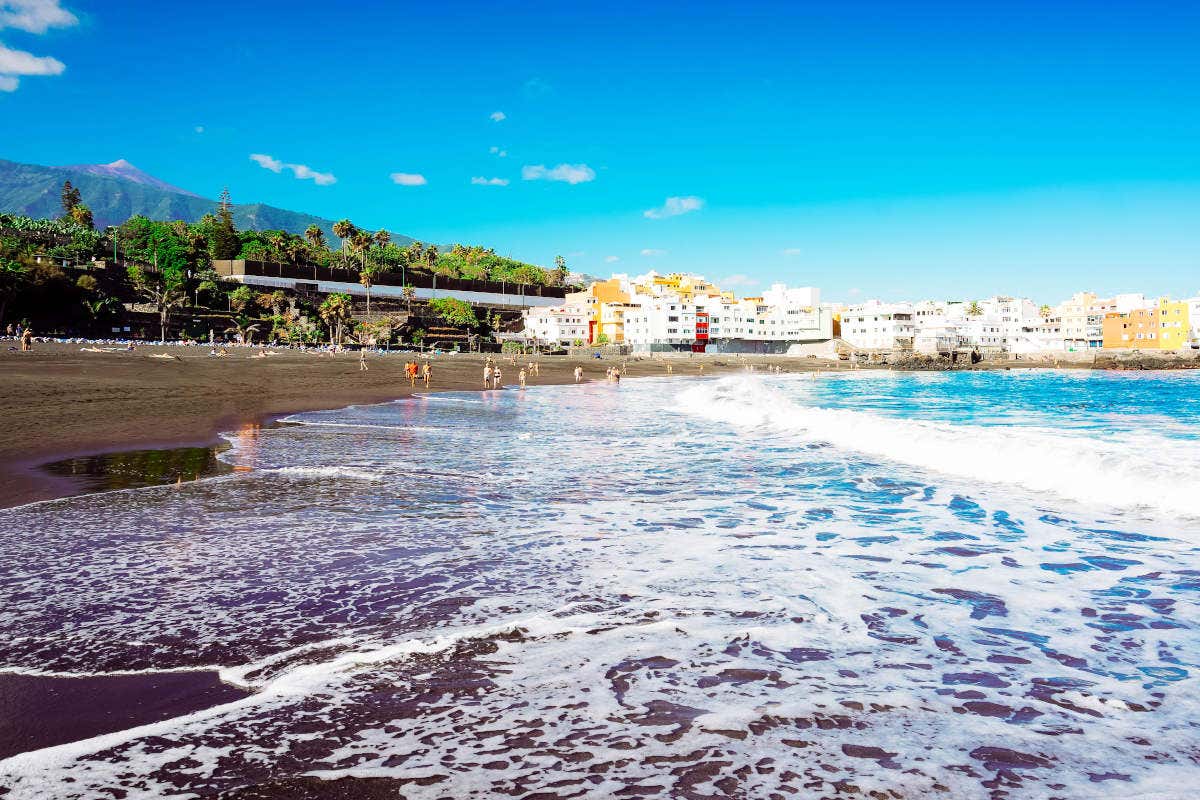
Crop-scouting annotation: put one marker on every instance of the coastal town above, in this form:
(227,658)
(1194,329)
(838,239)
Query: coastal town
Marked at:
(680,312)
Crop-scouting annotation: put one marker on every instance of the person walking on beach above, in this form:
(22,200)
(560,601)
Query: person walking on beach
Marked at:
(412,374)
(426,373)
(578,374)
(362,359)
(521,377)
(27,340)
(537,368)
(670,368)
(496,377)
(487,374)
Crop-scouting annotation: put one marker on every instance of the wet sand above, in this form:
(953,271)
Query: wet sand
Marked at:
(59,403)
(37,711)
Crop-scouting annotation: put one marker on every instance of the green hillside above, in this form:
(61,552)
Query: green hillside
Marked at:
(34,191)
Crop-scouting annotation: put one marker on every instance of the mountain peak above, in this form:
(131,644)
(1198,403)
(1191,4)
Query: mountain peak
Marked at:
(123,170)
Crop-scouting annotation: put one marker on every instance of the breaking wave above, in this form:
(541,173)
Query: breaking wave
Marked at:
(1127,471)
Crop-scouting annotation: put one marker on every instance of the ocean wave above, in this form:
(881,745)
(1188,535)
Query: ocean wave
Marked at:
(354,473)
(369,426)
(1126,471)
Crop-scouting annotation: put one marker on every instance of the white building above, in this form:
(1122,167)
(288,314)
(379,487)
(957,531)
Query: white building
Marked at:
(560,326)
(712,321)
(665,322)
(879,326)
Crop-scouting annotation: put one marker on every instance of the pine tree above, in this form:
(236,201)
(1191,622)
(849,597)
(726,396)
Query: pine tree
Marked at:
(226,243)
(70,198)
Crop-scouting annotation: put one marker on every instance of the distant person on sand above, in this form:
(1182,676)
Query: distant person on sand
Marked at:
(11,332)
(521,377)
(362,360)
(27,340)
(579,374)
(411,369)
(487,374)
(496,377)
(427,373)
(670,368)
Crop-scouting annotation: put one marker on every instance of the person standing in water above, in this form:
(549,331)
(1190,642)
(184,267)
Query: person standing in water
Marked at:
(487,374)
(578,374)
(521,377)
(496,376)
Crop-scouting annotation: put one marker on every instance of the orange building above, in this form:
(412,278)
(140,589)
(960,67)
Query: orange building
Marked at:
(1164,327)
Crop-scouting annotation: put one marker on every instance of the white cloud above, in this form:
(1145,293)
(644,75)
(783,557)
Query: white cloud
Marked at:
(301,171)
(199,129)
(567,173)
(653,251)
(266,162)
(306,173)
(674,206)
(496,151)
(791,251)
(737,280)
(482,181)
(35,16)
(408,179)
(611,259)
(31,16)
(855,291)
(18,62)
(497,116)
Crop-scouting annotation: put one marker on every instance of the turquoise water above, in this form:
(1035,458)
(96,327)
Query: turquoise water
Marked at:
(737,587)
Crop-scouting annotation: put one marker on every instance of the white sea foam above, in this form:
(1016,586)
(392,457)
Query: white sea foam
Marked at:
(639,600)
(353,473)
(1131,471)
(359,425)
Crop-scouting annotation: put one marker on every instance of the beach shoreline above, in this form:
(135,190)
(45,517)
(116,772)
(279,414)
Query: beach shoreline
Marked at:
(60,402)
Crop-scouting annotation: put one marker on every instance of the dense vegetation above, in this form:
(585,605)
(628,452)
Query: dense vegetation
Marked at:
(168,266)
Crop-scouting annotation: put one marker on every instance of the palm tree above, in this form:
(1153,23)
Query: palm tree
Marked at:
(382,237)
(315,236)
(165,297)
(244,329)
(973,310)
(1044,310)
(335,311)
(409,294)
(344,229)
(560,270)
(366,276)
(416,253)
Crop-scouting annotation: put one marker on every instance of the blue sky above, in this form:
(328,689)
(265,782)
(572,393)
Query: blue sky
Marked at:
(873,149)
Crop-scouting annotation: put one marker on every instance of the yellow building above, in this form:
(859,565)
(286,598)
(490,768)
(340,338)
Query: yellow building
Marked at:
(1173,323)
(604,302)
(1164,327)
